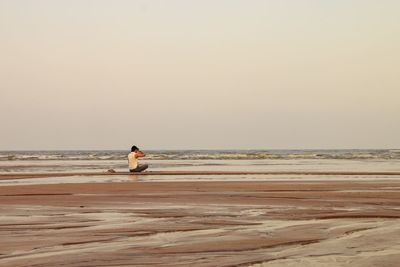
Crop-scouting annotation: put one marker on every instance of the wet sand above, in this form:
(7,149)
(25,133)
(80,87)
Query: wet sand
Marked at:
(9,176)
(354,223)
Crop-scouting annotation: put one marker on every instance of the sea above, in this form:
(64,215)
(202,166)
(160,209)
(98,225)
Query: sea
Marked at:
(199,160)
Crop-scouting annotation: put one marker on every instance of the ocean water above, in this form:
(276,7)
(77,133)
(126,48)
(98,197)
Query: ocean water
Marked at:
(198,160)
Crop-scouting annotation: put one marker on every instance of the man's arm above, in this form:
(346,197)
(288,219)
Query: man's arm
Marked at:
(140,154)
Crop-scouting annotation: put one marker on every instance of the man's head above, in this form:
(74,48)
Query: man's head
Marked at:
(134,148)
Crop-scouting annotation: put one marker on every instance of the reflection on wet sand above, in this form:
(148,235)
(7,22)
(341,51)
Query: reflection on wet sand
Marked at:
(314,223)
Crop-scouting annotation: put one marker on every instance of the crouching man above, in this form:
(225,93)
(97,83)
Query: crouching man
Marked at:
(133,157)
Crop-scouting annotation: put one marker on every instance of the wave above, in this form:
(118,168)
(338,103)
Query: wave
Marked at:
(205,155)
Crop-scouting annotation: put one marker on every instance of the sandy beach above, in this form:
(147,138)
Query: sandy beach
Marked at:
(206,223)
(199,133)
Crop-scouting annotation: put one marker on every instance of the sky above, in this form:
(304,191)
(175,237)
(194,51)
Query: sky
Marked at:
(268,74)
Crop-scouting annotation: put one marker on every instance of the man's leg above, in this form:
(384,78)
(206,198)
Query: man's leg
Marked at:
(141,168)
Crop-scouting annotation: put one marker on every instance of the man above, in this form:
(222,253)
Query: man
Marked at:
(133,157)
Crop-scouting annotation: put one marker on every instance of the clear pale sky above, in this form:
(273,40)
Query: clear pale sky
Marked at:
(199,74)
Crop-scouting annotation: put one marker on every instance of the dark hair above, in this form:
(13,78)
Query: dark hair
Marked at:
(134,148)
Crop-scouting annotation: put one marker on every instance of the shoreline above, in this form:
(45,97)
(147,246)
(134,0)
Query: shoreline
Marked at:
(7,176)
